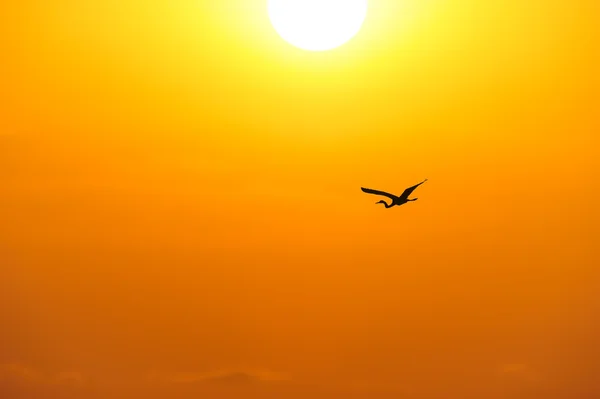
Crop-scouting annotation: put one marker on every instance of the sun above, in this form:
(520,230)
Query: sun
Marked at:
(317,25)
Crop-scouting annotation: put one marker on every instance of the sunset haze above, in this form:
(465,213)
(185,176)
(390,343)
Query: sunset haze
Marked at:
(181,214)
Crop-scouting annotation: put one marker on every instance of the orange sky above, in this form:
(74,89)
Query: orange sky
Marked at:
(181,215)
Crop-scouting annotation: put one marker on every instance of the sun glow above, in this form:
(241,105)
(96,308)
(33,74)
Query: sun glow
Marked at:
(317,25)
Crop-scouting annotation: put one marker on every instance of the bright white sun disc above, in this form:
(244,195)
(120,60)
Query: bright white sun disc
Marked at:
(317,25)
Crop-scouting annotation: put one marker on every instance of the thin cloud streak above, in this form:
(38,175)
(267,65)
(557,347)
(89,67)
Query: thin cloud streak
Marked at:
(225,376)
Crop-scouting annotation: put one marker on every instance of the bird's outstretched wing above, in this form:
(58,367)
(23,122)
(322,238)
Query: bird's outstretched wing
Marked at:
(409,190)
(376,192)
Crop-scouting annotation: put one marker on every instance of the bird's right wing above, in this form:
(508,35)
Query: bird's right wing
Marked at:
(376,192)
(409,190)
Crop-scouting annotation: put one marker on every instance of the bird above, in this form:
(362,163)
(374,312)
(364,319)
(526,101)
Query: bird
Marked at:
(396,201)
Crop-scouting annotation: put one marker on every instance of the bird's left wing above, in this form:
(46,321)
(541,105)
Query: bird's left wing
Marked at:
(377,192)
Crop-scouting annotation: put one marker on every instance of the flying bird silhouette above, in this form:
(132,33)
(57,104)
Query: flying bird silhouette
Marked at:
(396,201)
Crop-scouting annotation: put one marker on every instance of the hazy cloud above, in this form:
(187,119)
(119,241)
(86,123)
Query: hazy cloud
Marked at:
(520,370)
(17,372)
(70,378)
(14,372)
(228,377)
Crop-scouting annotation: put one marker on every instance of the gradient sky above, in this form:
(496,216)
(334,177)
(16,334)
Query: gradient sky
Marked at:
(181,215)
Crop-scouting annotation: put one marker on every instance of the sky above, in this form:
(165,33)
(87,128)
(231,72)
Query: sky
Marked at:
(181,214)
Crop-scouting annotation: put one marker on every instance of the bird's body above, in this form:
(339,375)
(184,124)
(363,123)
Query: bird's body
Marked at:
(395,200)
